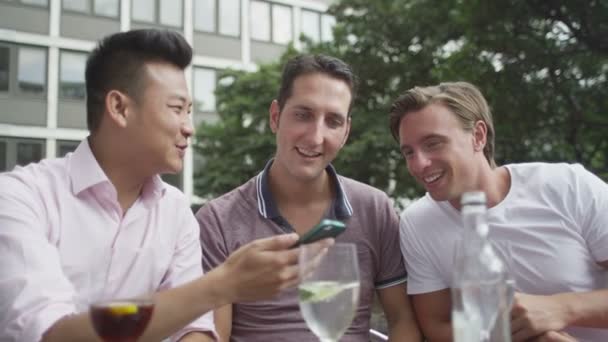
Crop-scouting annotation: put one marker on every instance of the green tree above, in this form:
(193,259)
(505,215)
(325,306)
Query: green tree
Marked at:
(543,66)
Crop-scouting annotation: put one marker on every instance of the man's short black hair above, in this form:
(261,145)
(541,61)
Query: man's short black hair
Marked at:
(310,64)
(117,63)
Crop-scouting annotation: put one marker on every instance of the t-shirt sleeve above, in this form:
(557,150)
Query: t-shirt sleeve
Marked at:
(213,240)
(392,269)
(422,275)
(592,211)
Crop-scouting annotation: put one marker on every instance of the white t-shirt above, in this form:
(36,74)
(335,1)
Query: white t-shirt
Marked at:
(555,219)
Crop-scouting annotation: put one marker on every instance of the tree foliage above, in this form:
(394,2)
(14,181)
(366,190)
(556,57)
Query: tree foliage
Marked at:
(542,65)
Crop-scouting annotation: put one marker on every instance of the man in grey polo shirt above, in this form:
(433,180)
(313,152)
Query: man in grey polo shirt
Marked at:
(295,191)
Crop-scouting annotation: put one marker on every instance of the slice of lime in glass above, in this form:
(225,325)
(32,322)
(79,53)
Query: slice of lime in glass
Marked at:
(320,290)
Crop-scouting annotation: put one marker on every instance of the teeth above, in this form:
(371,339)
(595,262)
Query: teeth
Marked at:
(432,178)
(308,153)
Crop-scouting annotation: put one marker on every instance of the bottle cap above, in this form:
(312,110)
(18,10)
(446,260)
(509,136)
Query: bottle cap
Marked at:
(473,198)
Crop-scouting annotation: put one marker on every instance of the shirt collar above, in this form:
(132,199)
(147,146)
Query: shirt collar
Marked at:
(85,172)
(267,206)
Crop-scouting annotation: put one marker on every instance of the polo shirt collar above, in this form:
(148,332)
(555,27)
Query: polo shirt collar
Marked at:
(267,207)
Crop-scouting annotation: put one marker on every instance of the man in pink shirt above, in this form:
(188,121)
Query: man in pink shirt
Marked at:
(101,223)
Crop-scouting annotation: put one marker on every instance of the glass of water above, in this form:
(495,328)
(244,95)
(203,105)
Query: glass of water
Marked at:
(329,289)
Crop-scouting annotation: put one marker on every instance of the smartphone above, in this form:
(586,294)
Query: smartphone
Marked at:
(326,228)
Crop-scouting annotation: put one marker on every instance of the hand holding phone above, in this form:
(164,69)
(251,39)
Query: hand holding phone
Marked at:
(326,228)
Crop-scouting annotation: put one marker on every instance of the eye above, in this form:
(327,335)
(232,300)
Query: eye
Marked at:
(302,115)
(335,122)
(433,144)
(407,153)
(177,108)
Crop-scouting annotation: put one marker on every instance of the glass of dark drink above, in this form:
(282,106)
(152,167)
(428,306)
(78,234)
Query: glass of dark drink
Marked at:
(121,320)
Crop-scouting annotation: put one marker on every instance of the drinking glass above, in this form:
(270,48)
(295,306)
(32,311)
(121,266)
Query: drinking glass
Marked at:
(122,318)
(329,289)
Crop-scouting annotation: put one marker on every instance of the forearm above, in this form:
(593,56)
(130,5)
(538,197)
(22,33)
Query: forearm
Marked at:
(173,309)
(197,337)
(586,309)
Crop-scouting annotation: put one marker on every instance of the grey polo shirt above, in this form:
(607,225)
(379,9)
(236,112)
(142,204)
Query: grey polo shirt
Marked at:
(249,212)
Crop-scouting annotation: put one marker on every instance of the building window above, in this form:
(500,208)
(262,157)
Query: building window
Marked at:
(270,21)
(230,17)
(204,90)
(31,70)
(217,16)
(4,67)
(106,8)
(29,151)
(281,24)
(66,146)
(76,5)
(259,20)
(142,10)
(42,3)
(171,13)
(327,27)
(204,15)
(310,25)
(164,12)
(71,75)
(2,156)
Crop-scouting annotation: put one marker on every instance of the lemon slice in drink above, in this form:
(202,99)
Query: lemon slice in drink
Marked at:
(122,308)
(319,290)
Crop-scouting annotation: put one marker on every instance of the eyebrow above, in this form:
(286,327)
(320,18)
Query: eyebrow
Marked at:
(425,138)
(180,98)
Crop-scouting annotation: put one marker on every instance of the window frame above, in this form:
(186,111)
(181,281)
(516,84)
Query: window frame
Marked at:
(10,71)
(91,10)
(195,109)
(13,78)
(272,34)
(217,20)
(319,28)
(61,96)
(156,20)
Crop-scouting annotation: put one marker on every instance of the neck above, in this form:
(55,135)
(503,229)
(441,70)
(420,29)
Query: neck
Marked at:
(126,180)
(290,191)
(495,182)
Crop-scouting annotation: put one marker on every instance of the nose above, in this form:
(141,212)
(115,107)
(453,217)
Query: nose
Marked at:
(187,127)
(317,132)
(417,162)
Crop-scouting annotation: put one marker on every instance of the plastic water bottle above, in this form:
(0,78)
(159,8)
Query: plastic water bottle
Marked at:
(479,283)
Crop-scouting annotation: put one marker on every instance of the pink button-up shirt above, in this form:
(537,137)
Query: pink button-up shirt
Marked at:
(64,241)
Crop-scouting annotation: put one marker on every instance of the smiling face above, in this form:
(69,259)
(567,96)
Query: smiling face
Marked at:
(159,124)
(440,154)
(312,127)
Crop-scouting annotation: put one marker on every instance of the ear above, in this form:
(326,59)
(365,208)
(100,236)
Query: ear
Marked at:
(348,123)
(275,115)
(117,107)
(480,133)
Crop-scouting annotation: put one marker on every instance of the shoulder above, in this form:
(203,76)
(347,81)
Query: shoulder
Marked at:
(558,176)
(421,208)
(240,200)
(48,174)
(428,216)
(359,191)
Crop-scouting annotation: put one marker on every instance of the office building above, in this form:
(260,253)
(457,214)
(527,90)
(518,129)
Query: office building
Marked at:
(44,45)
